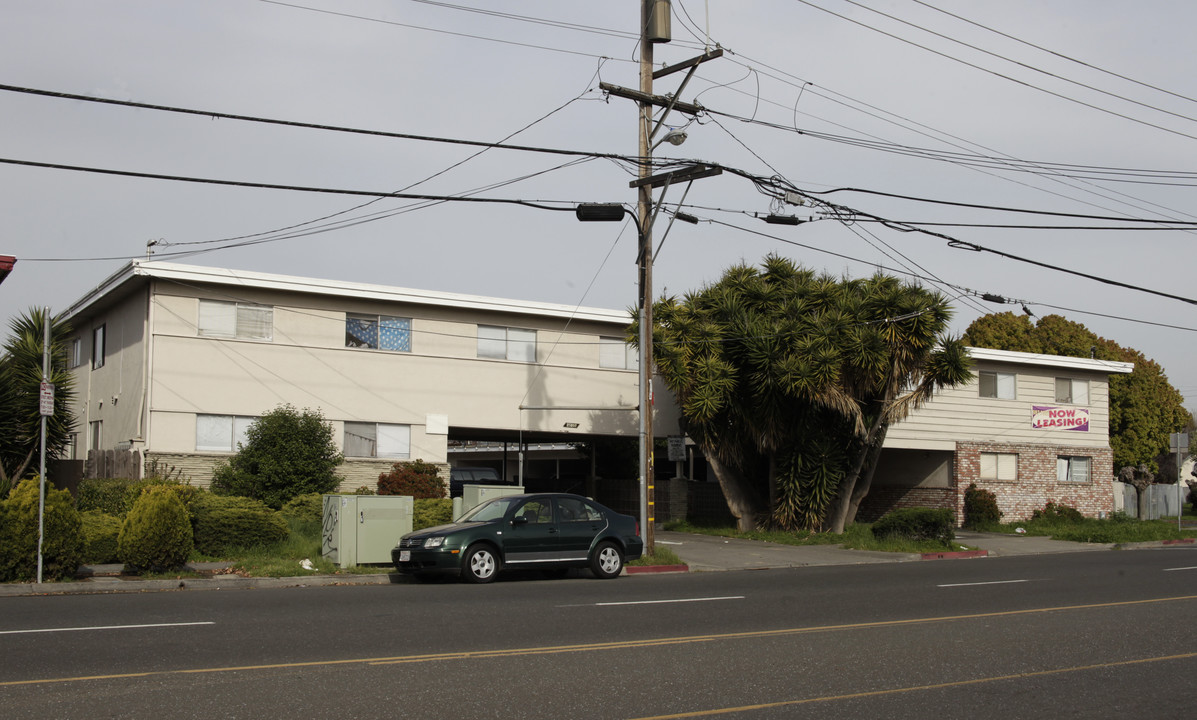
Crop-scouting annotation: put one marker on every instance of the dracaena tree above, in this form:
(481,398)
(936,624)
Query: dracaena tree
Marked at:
(20,396)
(789,380)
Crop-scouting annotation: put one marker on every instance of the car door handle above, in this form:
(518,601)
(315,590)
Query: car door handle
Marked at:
(552,530)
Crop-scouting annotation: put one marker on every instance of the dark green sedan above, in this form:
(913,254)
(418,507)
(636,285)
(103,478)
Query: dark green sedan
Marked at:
(545,531)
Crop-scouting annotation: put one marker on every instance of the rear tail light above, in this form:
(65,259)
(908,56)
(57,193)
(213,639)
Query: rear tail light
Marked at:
(637,528)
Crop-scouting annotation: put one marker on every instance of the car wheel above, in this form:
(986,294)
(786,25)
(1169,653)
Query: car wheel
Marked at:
(480,565)
(607,561)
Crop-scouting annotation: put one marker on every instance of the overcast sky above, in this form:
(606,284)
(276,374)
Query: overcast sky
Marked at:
(899,104)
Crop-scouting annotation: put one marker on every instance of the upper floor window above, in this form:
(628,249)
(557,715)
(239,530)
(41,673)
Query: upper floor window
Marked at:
(999,466)
(377,440)
(220,433)
(97,348)
(997,384)
(76,352)
(378,332)
(1073,392)
(615,353)
(506,343)
(1073,469)
(235,320)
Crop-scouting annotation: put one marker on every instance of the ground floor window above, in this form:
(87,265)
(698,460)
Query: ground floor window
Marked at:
(999,466)
(96,431)
(1070,468)
(220,433)
(377,440)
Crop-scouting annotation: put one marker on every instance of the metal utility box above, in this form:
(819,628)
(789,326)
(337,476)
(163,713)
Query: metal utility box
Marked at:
(474,495)
(361,529)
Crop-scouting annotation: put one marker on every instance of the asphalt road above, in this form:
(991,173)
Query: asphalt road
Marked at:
(1093,635)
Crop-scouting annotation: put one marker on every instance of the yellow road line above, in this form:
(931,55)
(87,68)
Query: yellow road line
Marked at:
(620,645)
(918,688)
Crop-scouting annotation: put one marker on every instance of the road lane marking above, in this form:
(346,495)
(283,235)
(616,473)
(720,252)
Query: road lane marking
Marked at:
(663,602)
(102,627)
(1175,569)
(917,688)
(992,582)
(614,645)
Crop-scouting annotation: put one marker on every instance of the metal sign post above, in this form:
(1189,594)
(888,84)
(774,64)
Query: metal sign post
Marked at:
(1179,442)
(47,409)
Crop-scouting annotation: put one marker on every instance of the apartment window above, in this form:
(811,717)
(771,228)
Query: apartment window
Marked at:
(1074,469)
(1073,392)
(997,385)
(76,352)
(506,343)
(95,434)
(220,433)
(235,320)
(377,440)
(999,466)
(97,348)
(378,332)
(615,353)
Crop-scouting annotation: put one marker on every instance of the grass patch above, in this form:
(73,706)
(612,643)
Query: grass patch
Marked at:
(1118,528)
(660,556)
(282,559)
(858,536)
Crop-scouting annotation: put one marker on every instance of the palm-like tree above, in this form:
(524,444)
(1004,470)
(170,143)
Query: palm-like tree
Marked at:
(788,379)
(20,399)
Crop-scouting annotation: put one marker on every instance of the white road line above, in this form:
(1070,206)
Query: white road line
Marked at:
(660,602)
(668,542)
(995,582)
(102,627)
(1174,569)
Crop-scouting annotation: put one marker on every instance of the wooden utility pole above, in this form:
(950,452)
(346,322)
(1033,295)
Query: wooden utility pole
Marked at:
(644,206)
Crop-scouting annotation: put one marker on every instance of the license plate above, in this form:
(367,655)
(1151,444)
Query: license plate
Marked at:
(405,556)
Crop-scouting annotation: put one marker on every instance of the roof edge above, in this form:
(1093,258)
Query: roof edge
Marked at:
(1060,361)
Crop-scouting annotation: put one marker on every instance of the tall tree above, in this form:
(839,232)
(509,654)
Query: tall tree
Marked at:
(20,396)
(788,380)
(1144,407)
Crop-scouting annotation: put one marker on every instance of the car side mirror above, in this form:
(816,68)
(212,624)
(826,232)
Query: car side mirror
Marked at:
(519,520)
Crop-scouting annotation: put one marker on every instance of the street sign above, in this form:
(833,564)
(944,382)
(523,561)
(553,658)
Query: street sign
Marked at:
(1178,442)
(47,398)
(677,448)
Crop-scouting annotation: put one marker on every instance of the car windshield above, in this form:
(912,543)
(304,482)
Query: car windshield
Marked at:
(489,510)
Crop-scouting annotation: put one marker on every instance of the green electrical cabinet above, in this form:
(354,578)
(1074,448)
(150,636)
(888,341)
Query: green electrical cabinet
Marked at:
(362,529)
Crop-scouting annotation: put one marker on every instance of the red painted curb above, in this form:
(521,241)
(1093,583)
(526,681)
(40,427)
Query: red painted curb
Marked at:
(955,555)
(1182,541)
(634,569)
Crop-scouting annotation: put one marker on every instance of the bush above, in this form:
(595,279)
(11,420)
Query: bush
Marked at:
(115,496)
(101,537)
(364,490)
(287,453)
(62,544)
(980,508)
(917,524)
(308,507)
(1056,514)
(156,534)
(221,522)
(416,478)
(429,513)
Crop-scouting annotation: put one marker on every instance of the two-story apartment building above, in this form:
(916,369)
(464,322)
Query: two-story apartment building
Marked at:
(175,361)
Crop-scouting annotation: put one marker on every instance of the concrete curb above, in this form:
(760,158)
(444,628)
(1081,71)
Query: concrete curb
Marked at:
(955,555)
(109,585)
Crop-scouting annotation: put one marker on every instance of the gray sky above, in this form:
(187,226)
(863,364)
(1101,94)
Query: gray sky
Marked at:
(460,71)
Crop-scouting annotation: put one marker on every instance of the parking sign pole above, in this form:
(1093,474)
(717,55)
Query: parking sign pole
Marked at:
(47,391)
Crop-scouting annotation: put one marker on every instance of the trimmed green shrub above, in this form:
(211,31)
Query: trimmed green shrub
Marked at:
(221,522)
(917,524)
(416,478)
(156,534)
(980,508)
(308,507)
(286,453)
(429,513)
(364,490)
(63,534)
(1057,514)
(101,537)
(115,496)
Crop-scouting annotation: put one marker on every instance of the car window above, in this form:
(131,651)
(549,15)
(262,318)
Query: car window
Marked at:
(490,510)
(536,511)
(577,510)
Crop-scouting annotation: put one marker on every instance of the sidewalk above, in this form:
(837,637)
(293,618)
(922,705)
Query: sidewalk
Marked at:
(700,553)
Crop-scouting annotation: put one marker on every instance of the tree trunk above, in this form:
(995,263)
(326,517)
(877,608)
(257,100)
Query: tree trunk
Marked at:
(847,489)
(865,483)
(742,501)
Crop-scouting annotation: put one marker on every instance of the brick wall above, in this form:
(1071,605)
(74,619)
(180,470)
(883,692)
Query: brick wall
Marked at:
(1037,484)
(197,470)
(882,500)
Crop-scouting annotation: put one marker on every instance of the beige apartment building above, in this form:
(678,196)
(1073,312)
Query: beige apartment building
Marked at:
(175,361)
